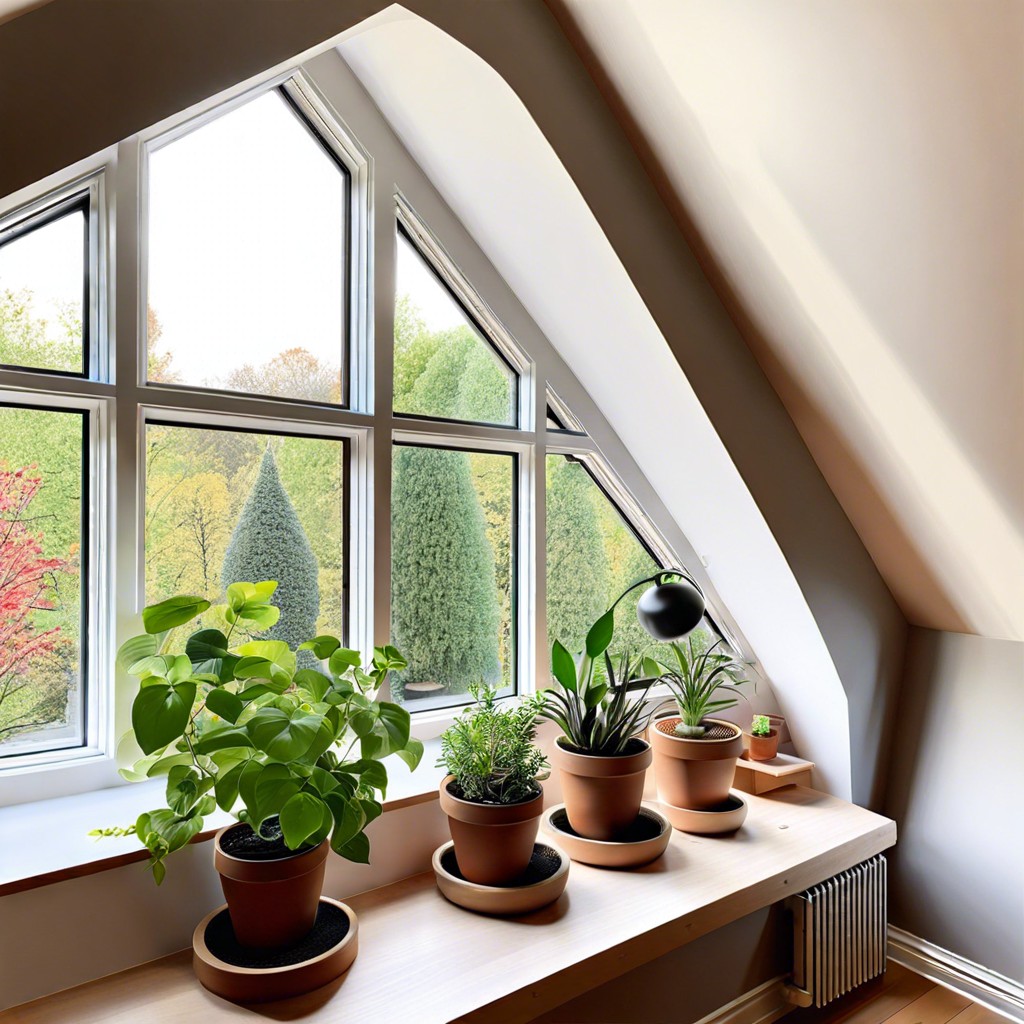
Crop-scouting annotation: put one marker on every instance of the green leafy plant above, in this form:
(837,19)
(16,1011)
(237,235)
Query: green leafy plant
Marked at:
(591,701)
(489,749)
(699,674)
(761,726)
(299,747)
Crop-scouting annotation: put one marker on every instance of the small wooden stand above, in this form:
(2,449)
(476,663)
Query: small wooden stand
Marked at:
(764,776)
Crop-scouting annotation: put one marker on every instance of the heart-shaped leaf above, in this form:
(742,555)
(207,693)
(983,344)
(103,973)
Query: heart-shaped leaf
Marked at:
(302,817)
(161,712)
(322,646)
(224,703)
(282,736)
(175,611)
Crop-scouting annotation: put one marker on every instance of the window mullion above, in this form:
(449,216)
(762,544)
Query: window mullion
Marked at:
(125,340)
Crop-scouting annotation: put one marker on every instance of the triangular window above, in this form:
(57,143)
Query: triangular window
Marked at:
(445,365)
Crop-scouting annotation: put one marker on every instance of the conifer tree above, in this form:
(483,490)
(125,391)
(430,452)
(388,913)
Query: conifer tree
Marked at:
(269,543)
(445,613)
(577,577)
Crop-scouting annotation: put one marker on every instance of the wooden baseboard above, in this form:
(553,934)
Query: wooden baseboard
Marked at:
(760,1005)
(977,983)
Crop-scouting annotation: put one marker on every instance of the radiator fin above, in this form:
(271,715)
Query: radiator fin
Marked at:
(839,933)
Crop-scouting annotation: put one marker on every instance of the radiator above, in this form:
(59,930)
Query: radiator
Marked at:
(839,933)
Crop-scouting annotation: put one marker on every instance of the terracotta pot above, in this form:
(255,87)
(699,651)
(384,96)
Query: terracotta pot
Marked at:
(271,902)
(493,842)
(602,794)
(694,774)
(763,748)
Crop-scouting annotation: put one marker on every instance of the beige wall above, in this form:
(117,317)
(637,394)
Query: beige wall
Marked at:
(691,982)
(957,873)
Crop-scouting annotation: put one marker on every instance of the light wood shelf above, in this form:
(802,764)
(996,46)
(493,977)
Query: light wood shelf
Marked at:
(424,959)
(765,776)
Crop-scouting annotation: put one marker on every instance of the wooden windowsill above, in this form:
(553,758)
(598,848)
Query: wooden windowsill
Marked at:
(49,841)
(423,959)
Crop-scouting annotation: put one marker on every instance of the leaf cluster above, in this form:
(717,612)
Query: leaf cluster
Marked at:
(226,722)
(489,749)
(593,708)
(761,726)
(697,677)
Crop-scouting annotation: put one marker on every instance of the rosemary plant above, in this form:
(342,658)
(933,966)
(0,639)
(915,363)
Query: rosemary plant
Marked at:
(489,749)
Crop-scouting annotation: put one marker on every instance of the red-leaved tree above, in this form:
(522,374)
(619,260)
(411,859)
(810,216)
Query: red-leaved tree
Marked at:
(26,581)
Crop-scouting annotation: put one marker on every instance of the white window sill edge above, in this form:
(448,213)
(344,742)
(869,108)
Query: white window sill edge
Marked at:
(48,841)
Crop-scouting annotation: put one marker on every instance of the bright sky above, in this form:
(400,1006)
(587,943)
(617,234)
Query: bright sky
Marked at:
(246,242)
(47,261)
(414,278)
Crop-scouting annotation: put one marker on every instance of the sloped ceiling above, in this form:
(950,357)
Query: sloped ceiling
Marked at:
(13,8)
(854,174)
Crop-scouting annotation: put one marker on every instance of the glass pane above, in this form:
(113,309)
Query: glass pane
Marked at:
(42,558)
(592,557)
(247,257)
(42,296)
(226,506)
(553,422)
(452,572)
(444,367)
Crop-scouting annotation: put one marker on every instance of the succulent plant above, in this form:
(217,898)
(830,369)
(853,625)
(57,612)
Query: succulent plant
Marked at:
(761,726)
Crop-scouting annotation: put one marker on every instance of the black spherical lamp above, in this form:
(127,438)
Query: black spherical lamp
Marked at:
(670,610)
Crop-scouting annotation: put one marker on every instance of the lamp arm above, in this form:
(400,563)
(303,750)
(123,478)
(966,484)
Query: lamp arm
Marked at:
(658,579)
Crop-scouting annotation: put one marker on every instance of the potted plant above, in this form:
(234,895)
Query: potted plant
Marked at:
(492,793)
(227,721)
(764,740)
(600,756)
(695,754)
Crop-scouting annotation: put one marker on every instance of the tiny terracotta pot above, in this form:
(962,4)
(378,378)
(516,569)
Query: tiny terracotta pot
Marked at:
(271,902)
(493,842)
(602,794)
(763,748)
(695,774)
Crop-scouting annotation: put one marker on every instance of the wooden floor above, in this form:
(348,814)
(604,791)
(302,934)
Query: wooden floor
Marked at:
(898,997)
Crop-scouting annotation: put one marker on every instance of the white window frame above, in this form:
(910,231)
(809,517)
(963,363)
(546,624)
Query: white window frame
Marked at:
(379,174)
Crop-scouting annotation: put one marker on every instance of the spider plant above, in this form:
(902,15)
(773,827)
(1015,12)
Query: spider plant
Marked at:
(591,702)
(699,674)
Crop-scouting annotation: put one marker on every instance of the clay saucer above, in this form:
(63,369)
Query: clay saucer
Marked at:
(645,840)
(246,975)
(541,884)
(726,817)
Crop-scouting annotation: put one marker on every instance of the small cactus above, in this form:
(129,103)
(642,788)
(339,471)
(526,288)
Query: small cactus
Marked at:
(761,726)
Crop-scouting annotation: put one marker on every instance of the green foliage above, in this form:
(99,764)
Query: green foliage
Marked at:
(700,671)
(445,611)
(577,568)
(227,721)
(761,726)
(593,707)
(28,339)
(269,543)
(489,749)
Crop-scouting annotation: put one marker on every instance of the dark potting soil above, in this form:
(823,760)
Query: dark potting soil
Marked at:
(456,791)
(242,842)
(543,864)
(634,746)
(331,927)
(644,828)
